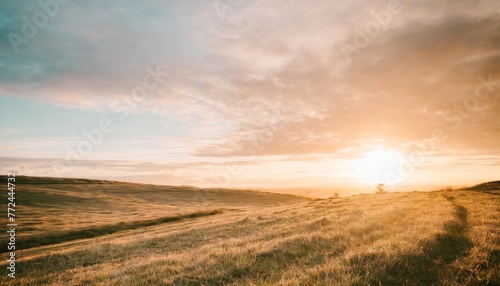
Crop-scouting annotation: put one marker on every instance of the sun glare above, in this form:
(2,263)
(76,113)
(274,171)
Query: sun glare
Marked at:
(373,167)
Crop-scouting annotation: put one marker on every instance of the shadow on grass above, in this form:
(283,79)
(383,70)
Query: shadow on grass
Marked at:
(30,242)
(433,266)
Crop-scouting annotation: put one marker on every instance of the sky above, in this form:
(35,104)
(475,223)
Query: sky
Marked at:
(252,94)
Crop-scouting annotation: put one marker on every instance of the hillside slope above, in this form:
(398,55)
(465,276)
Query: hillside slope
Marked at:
(435,238)
(51,210)
(489,186)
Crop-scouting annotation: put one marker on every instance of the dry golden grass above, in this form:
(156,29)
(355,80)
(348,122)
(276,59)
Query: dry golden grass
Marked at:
(435,238)
(61,209)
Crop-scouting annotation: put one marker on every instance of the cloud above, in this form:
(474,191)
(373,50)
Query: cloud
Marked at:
(396,89)
(270,79)
(89,51)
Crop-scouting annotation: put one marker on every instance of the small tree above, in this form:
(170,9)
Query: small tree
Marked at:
(334,196)
(380,189)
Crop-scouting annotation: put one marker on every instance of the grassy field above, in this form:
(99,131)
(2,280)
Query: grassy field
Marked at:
(51,210)
(419,238)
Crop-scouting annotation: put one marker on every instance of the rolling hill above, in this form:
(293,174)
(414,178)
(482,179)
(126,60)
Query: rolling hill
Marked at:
(418,238)
(51,210)
(489,186)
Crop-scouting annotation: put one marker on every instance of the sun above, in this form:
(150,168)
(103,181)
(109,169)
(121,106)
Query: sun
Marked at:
(374,166)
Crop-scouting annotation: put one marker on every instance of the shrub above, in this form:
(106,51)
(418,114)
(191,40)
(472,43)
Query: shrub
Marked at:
(380,189)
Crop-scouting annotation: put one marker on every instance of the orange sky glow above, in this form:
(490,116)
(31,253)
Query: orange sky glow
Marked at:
(282,95)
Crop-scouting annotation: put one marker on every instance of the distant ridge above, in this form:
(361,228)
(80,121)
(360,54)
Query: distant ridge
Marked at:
(489,186)
(34,180)
(29,180)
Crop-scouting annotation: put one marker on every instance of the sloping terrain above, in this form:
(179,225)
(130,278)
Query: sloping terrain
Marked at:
(435,238)
(489,186)
(52,210)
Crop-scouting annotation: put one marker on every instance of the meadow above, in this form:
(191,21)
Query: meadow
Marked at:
(51,210)
(446,237)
